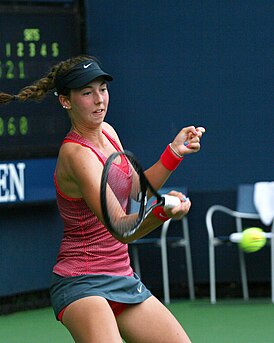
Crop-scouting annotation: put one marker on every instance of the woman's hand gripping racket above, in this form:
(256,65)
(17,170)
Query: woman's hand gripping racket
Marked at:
(124,199)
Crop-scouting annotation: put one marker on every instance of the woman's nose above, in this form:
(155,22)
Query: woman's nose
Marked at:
(98,98)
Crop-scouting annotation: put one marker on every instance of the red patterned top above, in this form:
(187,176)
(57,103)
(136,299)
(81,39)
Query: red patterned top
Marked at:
(87,247)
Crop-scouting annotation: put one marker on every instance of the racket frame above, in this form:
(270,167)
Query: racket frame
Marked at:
(161,200)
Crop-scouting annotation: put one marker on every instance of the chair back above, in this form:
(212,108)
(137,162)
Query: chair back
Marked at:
(245,202)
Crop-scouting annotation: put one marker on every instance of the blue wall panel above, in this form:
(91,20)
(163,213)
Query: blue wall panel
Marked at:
(30,239)
(177,63)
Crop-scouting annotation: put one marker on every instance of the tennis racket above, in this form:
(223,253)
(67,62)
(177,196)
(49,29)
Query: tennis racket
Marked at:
(125,195)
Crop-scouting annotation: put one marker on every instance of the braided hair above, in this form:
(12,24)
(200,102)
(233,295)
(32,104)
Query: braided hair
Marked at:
(39,89)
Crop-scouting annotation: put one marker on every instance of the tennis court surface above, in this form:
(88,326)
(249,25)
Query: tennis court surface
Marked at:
(229,321)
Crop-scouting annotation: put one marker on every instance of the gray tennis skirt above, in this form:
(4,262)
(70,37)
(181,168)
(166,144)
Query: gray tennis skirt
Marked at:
(122,289)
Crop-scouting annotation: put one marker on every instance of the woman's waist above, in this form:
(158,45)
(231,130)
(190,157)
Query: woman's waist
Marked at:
(82,264)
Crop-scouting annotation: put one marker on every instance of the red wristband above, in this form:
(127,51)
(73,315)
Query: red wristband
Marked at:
(169,160)
(160,213)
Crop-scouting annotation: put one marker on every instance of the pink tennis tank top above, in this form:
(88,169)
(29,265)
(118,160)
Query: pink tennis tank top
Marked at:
(87,247)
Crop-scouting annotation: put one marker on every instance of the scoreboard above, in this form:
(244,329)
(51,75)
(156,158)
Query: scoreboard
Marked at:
(32,39)
(34,36)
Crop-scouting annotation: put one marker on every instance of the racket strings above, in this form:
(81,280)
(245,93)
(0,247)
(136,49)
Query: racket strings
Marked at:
(123,194)
(123,202)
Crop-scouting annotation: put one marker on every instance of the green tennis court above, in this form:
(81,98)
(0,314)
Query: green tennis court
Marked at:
(226,322)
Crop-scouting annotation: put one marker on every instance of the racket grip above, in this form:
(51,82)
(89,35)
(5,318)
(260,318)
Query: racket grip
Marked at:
(171,201)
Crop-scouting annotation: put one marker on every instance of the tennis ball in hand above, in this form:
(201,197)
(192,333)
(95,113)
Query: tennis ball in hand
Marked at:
(253,239)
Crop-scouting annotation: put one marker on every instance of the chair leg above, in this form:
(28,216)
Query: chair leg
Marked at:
(165,271)
(136,260)
(212,275)
(188,260)
(242,263)
(165,275)
(243,275)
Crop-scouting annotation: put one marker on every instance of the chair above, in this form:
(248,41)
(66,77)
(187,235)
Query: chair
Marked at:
(245,209)
(163,241)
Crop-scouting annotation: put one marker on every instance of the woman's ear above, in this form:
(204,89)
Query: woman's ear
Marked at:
(64,101)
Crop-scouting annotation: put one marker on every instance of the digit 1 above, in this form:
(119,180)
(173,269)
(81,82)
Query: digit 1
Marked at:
(21,67)
(8,49)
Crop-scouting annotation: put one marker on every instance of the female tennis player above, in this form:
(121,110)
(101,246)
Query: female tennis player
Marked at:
(94,291)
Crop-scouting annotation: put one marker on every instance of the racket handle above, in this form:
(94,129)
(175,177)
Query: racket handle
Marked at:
(171,201)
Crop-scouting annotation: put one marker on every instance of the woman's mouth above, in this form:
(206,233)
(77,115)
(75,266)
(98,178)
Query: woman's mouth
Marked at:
(99,111)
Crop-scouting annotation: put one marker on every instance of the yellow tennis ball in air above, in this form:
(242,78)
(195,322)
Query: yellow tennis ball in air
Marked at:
(253,239)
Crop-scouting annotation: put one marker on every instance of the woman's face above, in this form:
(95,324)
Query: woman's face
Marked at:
(89,104)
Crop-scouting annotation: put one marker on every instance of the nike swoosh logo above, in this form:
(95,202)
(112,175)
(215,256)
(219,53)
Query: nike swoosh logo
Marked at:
(87,65)
(139,289)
